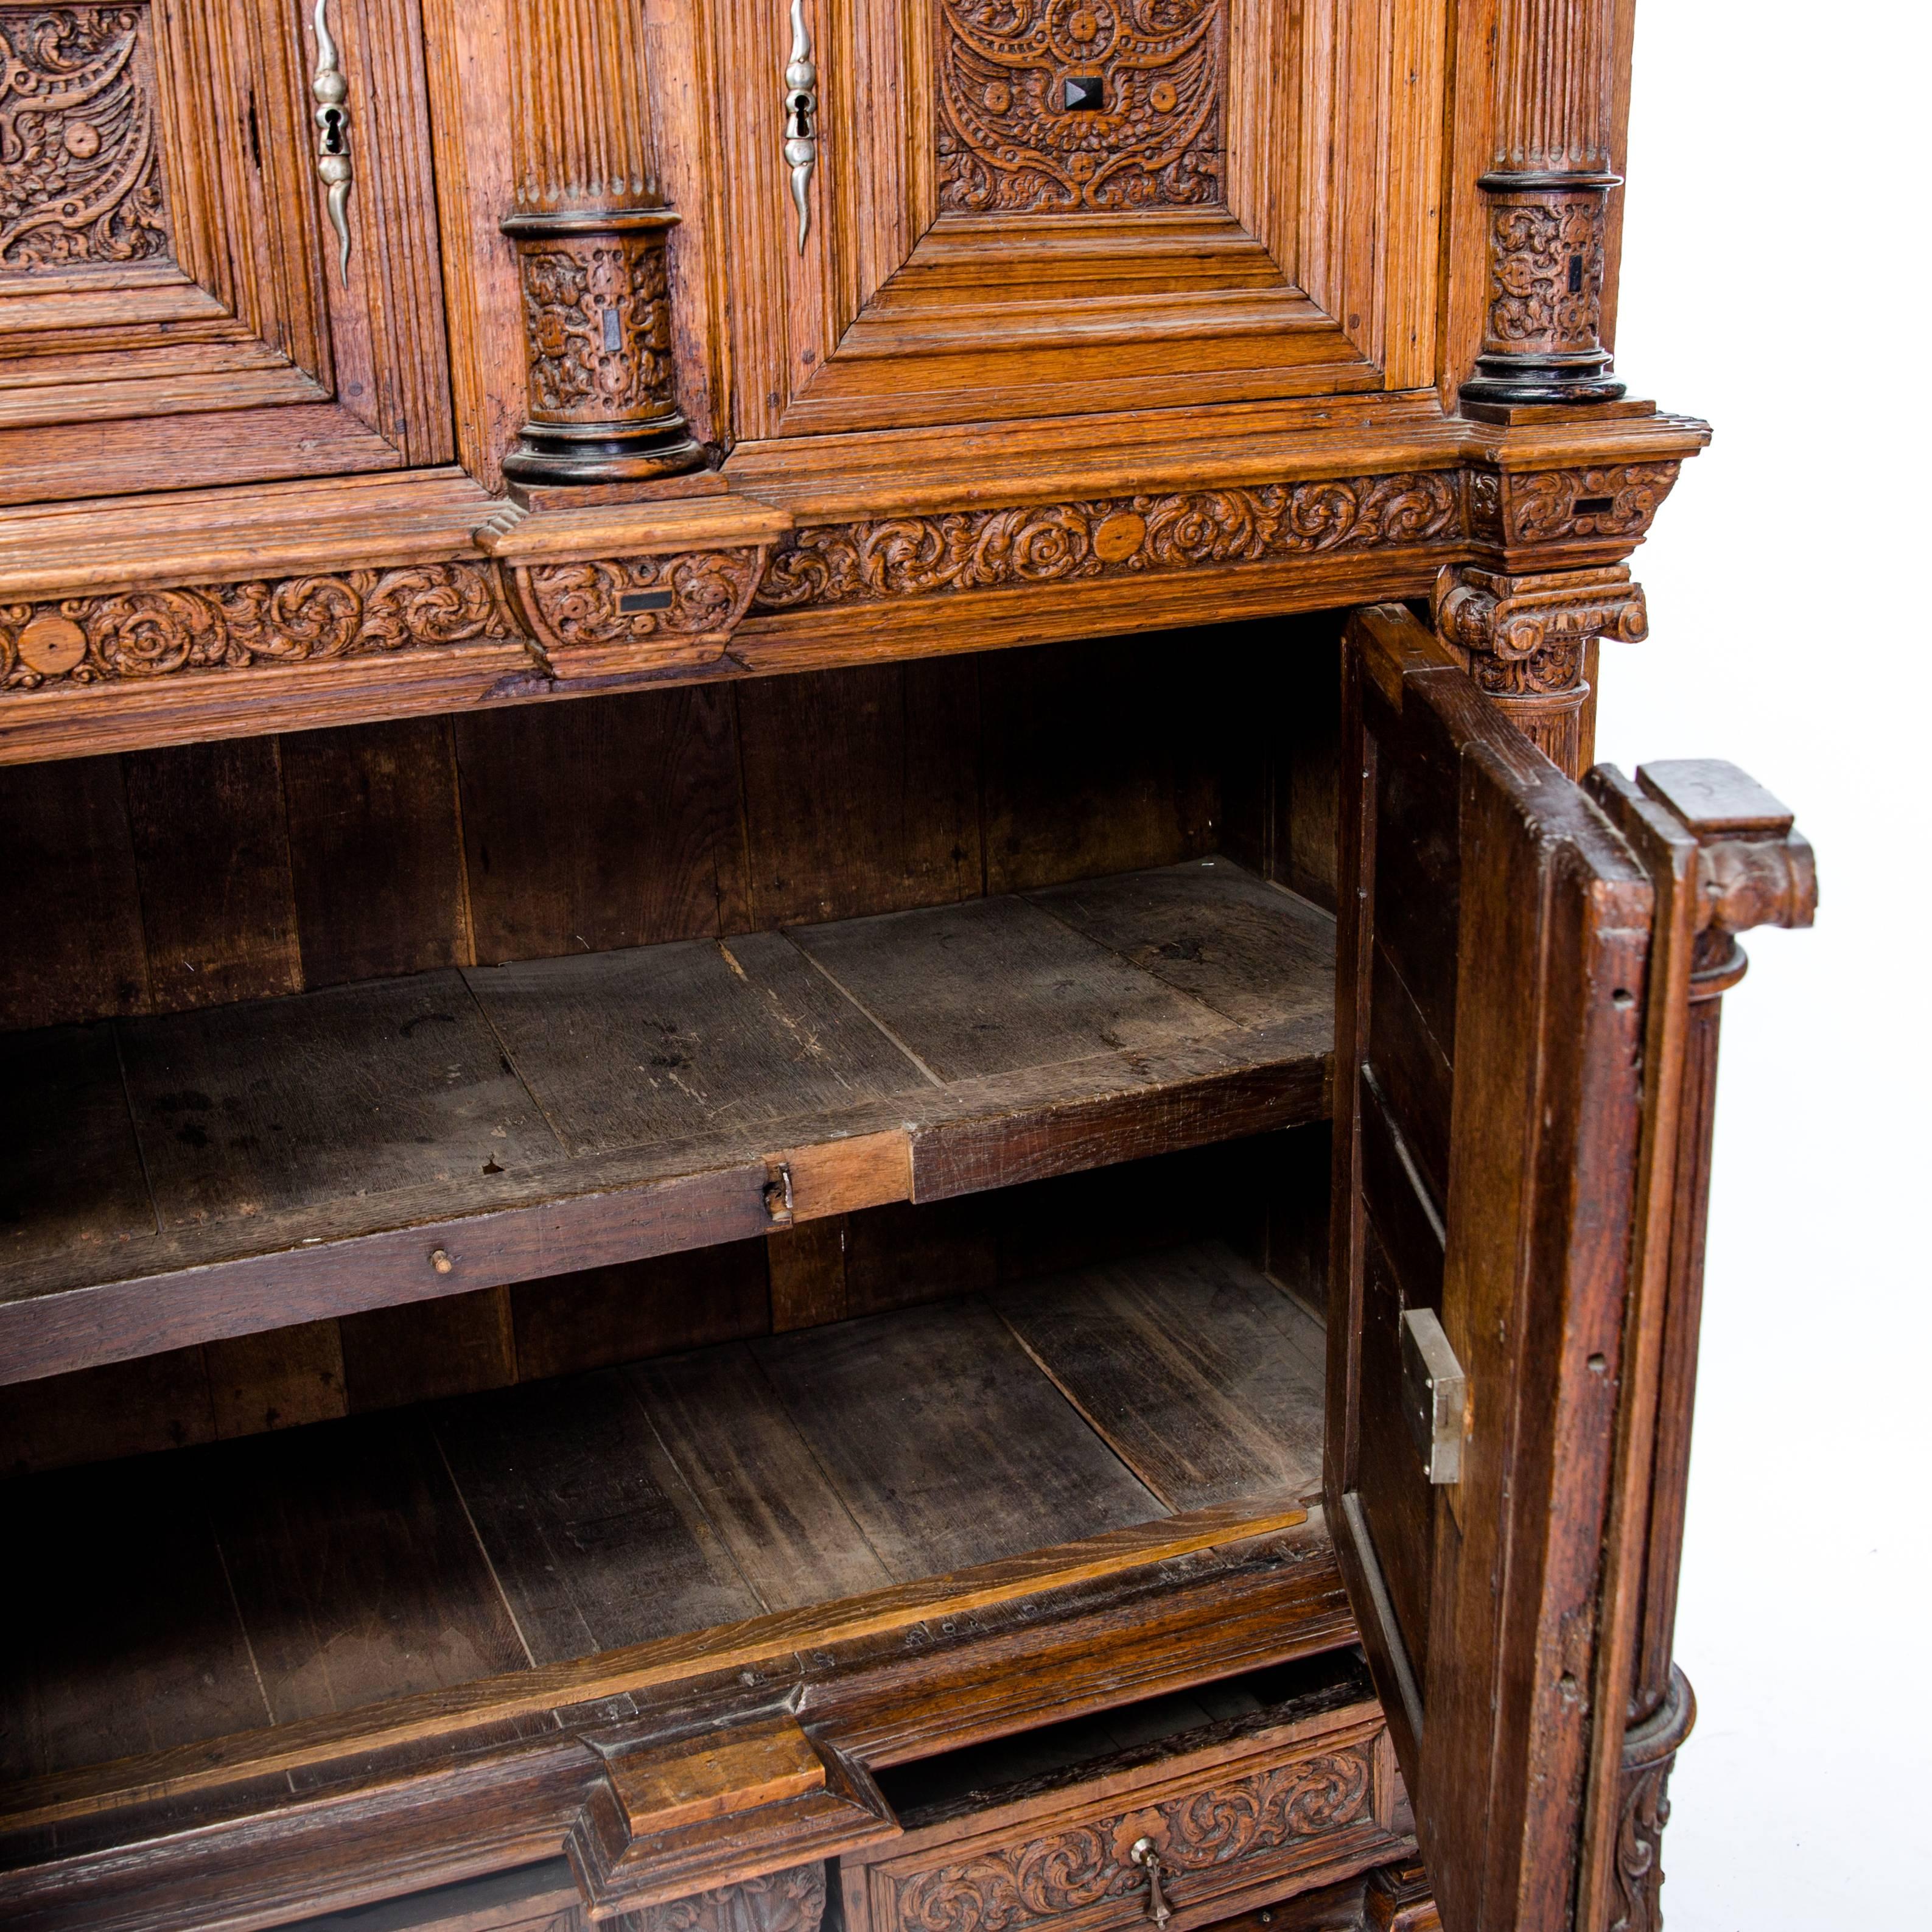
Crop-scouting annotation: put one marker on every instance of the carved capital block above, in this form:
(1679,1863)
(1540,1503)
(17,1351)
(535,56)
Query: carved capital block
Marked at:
(602,408)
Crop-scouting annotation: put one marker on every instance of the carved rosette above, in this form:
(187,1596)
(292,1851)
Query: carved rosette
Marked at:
(613,614)
(978,549)
(781,1901)
(602,406)
(1650,1750)
(1007,1886)
(1055,107)
(148,634)
(80,176)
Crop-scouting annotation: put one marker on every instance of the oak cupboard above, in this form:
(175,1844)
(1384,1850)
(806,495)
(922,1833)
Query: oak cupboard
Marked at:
(835,1097)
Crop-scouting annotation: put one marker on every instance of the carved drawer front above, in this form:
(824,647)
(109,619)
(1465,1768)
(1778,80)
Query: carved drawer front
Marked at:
(1198,1836)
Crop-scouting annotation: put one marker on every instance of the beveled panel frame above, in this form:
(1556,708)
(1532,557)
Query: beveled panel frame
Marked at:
(246,354)
(1318,276)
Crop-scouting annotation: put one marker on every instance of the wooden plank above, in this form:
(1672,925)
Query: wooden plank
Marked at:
(376,851)
(688,1782)
(355,1567)
(945,1442)
(71,946)
(861,790)
(456,1344)
(1098,760)
(309,1744)
(210,846)
(807,1261)
(280,1379)
(356,1090)
(792,1538)
(898,1255)
(74,1186)
(590,826)
(94,1415)
(1206,1380)
(995,984)
(591,1532)
(1252,952)
(625,1049)
(129,1642)
(600,1316)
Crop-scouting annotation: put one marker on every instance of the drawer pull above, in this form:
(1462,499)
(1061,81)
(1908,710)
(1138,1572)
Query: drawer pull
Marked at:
(1143,1853)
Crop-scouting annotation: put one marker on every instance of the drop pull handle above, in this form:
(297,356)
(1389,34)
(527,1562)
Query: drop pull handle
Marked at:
(1145,1855)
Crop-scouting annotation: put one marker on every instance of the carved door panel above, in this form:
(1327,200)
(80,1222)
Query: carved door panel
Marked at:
(217,245)
(1489,1101)
(962,210)
(1522,1113)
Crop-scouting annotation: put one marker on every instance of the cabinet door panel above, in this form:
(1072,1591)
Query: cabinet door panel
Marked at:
(175,305)
(1032,208)
(1498,1016)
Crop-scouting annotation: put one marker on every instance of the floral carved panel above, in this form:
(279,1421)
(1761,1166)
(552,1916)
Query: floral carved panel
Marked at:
(608,602)
(979,550)
(1057,107)
(139,634)
(80,172)
(1207,1835)
(1546,264)
(597,310)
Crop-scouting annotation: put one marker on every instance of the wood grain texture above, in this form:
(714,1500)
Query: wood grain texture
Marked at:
(917,1416)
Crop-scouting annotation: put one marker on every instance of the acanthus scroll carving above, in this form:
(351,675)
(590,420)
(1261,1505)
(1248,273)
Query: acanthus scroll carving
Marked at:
(1545,506)
(1026,1884)
(80,178)
(1650,1750)
(608,601)
(1051,107)
(137,634)
(781,1901)
(1546,273)
(978,549)
(597,309)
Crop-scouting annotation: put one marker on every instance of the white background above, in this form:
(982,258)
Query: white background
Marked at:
(1777,259)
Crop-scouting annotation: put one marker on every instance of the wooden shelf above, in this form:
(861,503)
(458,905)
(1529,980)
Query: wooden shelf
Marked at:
(581,1539)
(242,1168)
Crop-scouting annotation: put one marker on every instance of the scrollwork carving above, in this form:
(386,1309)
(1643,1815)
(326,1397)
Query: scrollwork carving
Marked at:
(597,310)
(1548,506)
(1051,107)
(80,177)
(1650,1750)
(1026,1884)
(137,635)
(610,601)
(781,1901)
(1546,273)
(977,549)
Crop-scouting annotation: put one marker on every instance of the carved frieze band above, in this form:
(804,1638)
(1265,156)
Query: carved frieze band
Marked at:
(979,550)
(1006,1887)
(1552,506)
(80,176)
(613,602)
(1046,107)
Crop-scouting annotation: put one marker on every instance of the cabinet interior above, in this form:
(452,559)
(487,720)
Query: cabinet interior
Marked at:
(300,985)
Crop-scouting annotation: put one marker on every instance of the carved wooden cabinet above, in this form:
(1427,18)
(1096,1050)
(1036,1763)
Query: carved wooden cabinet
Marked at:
(1007,1237)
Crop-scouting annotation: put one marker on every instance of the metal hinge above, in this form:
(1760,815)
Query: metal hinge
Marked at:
(1435,1393)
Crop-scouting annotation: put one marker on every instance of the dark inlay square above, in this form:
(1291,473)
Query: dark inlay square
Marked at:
(1593,506)
(1083,93)
(633,603)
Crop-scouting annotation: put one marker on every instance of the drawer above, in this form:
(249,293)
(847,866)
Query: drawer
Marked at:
(1240,1821)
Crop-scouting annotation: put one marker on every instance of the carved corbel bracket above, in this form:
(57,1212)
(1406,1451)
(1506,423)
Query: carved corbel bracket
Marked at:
(1526,641)
(605,593)
(664,1824)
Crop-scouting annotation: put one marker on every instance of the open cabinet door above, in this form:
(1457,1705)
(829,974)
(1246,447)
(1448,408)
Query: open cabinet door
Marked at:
(1510,1052)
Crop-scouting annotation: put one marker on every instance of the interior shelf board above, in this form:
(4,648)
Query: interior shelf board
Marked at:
(356,1585)
(228,1169)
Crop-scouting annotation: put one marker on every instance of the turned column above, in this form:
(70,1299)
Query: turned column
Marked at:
(590,227)
(1727,859)
(1546,196)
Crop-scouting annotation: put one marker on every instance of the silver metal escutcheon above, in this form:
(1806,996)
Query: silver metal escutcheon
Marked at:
(801,119)
(331,117)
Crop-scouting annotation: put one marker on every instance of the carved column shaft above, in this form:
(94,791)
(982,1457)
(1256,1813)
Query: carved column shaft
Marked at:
(1547,193)
(590,227)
